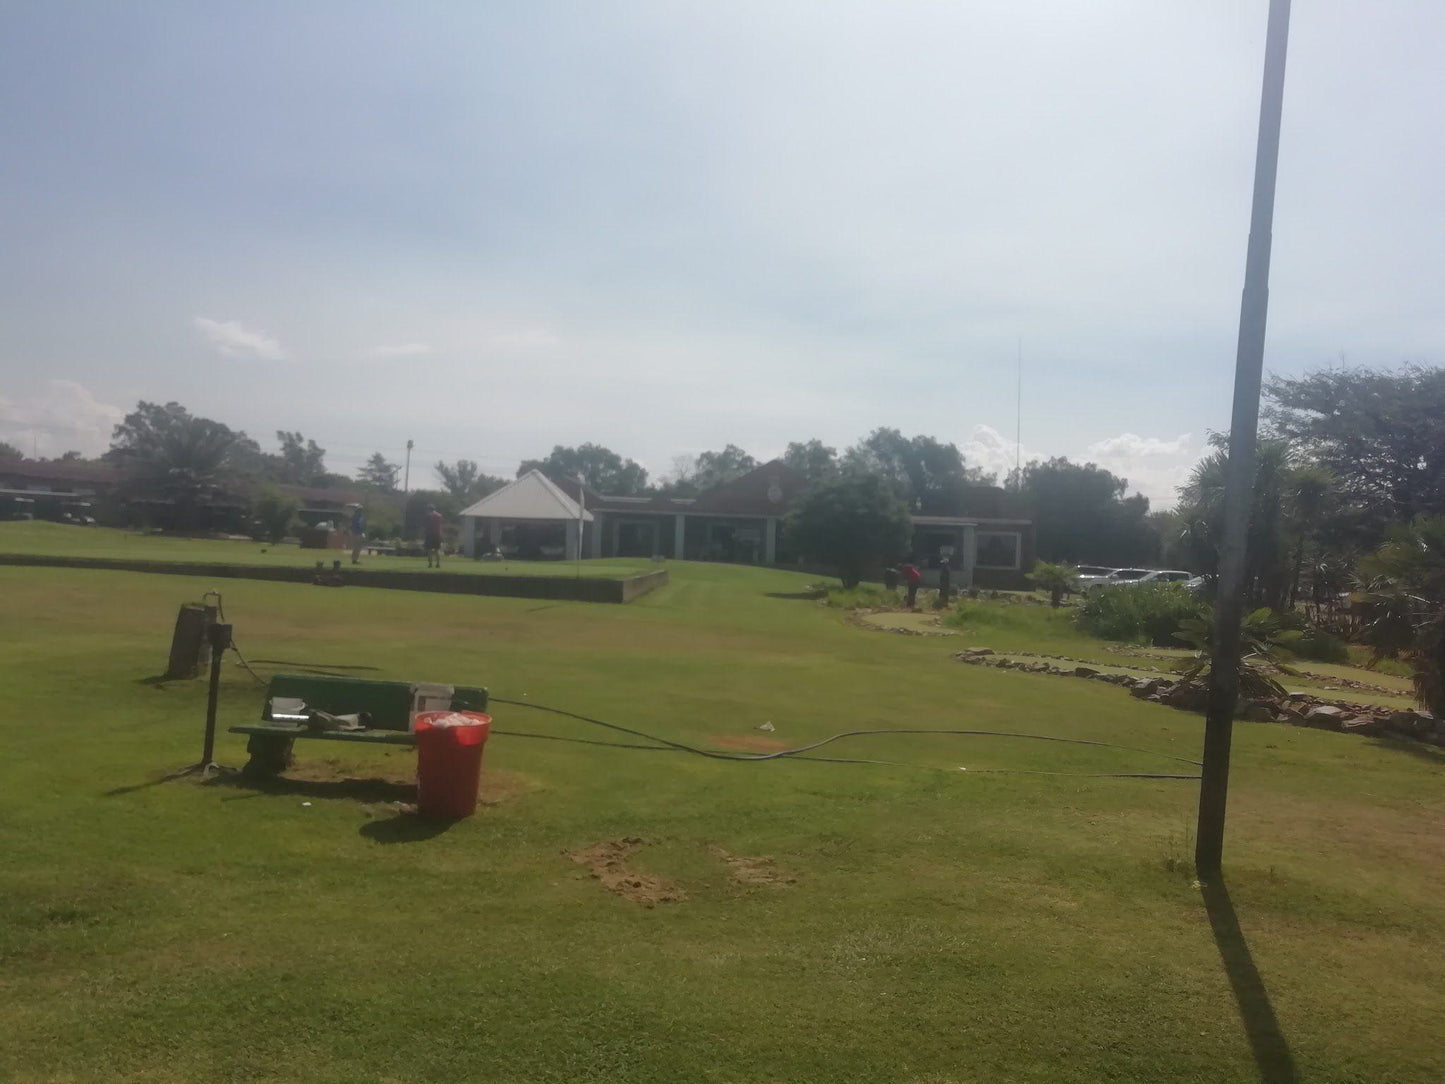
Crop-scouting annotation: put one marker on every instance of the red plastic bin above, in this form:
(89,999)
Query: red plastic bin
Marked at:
(449,764)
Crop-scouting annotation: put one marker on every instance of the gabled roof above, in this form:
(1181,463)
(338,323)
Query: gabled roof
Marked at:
(532,496)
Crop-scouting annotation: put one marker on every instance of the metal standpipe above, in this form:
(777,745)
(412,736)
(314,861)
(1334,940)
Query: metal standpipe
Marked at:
(220,638)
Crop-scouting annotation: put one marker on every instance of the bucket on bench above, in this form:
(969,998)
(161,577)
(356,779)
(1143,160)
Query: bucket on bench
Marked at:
(449,763)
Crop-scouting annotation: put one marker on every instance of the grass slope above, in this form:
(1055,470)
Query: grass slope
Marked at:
(942,925)
(60,540)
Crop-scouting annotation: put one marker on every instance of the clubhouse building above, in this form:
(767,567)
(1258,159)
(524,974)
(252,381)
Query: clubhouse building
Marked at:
(984,541)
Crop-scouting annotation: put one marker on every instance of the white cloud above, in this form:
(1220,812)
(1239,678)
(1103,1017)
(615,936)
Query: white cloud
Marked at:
(1130,445)
(236,340)
(402,350)
(1154,467)
(994,453)
(65,416)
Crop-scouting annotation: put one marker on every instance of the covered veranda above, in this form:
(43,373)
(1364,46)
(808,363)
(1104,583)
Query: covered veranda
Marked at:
(528,519)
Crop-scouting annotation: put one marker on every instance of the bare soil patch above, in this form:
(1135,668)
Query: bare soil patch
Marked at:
(752,872)
(608,863)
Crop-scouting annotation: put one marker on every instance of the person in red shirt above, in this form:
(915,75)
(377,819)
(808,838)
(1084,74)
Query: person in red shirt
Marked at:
(911,579)
(432,535)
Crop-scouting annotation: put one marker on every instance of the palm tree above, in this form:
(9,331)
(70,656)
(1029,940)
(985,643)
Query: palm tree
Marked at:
(1403,603)
(1055,579)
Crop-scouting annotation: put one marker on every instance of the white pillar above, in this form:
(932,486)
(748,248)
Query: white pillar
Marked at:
(572,547)
(969,557)
(594,537)
(770,541)
(679,535)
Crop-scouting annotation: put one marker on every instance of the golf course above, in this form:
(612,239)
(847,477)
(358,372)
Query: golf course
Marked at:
(916,907)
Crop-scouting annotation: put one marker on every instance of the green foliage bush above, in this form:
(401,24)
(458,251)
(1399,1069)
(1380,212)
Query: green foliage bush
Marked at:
(1314,643)
(866,596)
(1147,614)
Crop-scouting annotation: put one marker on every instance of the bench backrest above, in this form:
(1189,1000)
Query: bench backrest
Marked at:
(387,702)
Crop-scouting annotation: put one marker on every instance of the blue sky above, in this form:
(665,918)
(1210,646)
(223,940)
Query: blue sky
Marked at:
(668,226)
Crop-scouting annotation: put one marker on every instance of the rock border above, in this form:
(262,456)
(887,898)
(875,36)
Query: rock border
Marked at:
(1297,709)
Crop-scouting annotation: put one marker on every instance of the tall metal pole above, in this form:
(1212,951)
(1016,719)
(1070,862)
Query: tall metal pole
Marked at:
(1239,480)
(220,639)
(406,478)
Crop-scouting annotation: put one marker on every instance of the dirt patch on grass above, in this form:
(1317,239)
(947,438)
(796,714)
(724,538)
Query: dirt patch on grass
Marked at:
(750,743)
(608,863)
(752,872)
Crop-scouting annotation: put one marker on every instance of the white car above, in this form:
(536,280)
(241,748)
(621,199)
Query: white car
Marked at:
(1088,575)
(1129,577)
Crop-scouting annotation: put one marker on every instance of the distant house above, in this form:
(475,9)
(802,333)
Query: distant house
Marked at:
(53,488)
(984,541)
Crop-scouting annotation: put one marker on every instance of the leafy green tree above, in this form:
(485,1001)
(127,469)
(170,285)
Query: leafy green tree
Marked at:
(9,451)
(714,469)
(181,465)
(380,472)
(1403,602)
(273,514)
(1380,433)
(1081,514)
(853,523)
(601,468)
(465,481)
(813,459)
(303,461)
(1057,580)
(928,476)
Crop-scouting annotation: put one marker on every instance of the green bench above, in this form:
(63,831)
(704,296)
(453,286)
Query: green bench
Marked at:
(385,707)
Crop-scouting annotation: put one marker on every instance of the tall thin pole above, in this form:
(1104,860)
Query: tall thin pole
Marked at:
(1019,419)
(406,479)
(581,516)
(1239,479)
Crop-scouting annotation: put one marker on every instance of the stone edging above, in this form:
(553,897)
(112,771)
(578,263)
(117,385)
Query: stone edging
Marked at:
(1299,709)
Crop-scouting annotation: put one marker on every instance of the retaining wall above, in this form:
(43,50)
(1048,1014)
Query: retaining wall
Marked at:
(451,583)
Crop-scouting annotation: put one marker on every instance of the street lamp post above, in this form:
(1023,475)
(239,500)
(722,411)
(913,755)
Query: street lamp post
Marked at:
(1239,480)
(406,478)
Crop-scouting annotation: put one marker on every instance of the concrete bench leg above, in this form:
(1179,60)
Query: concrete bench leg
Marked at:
(270,754)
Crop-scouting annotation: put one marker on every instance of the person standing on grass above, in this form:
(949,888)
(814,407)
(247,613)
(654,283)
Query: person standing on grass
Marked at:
(911,578)
(432,535)
(358,532)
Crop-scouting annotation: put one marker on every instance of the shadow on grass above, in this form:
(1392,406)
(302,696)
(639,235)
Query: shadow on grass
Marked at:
(1266,1042)
(1430,754)
(311,665)
(404,828)
(370,791)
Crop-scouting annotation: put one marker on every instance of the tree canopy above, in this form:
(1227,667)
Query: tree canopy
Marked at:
(303,461)
(813,459)
(601,468)
(9,451)
(379,471)
(1081,514)
(927,475)
(1381,434)
(852,523)
(465,481)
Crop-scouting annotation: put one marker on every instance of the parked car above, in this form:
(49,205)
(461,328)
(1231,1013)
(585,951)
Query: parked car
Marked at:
(1089,575)
(1128,577)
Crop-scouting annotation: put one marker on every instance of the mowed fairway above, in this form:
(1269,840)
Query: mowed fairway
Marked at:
(917,923)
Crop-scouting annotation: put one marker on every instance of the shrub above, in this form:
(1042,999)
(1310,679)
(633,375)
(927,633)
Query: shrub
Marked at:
(865,596)
(1057,580)
(1314,643)
(1147,614)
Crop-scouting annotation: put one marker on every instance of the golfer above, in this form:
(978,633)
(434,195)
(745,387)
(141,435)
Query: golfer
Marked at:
(912,577)
(358,532)
(432,535)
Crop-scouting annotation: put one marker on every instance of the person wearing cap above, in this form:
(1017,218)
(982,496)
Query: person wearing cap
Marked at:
(358,532)
(432,535)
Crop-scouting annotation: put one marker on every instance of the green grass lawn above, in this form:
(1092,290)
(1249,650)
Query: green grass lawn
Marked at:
(928,924)
(56,539)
